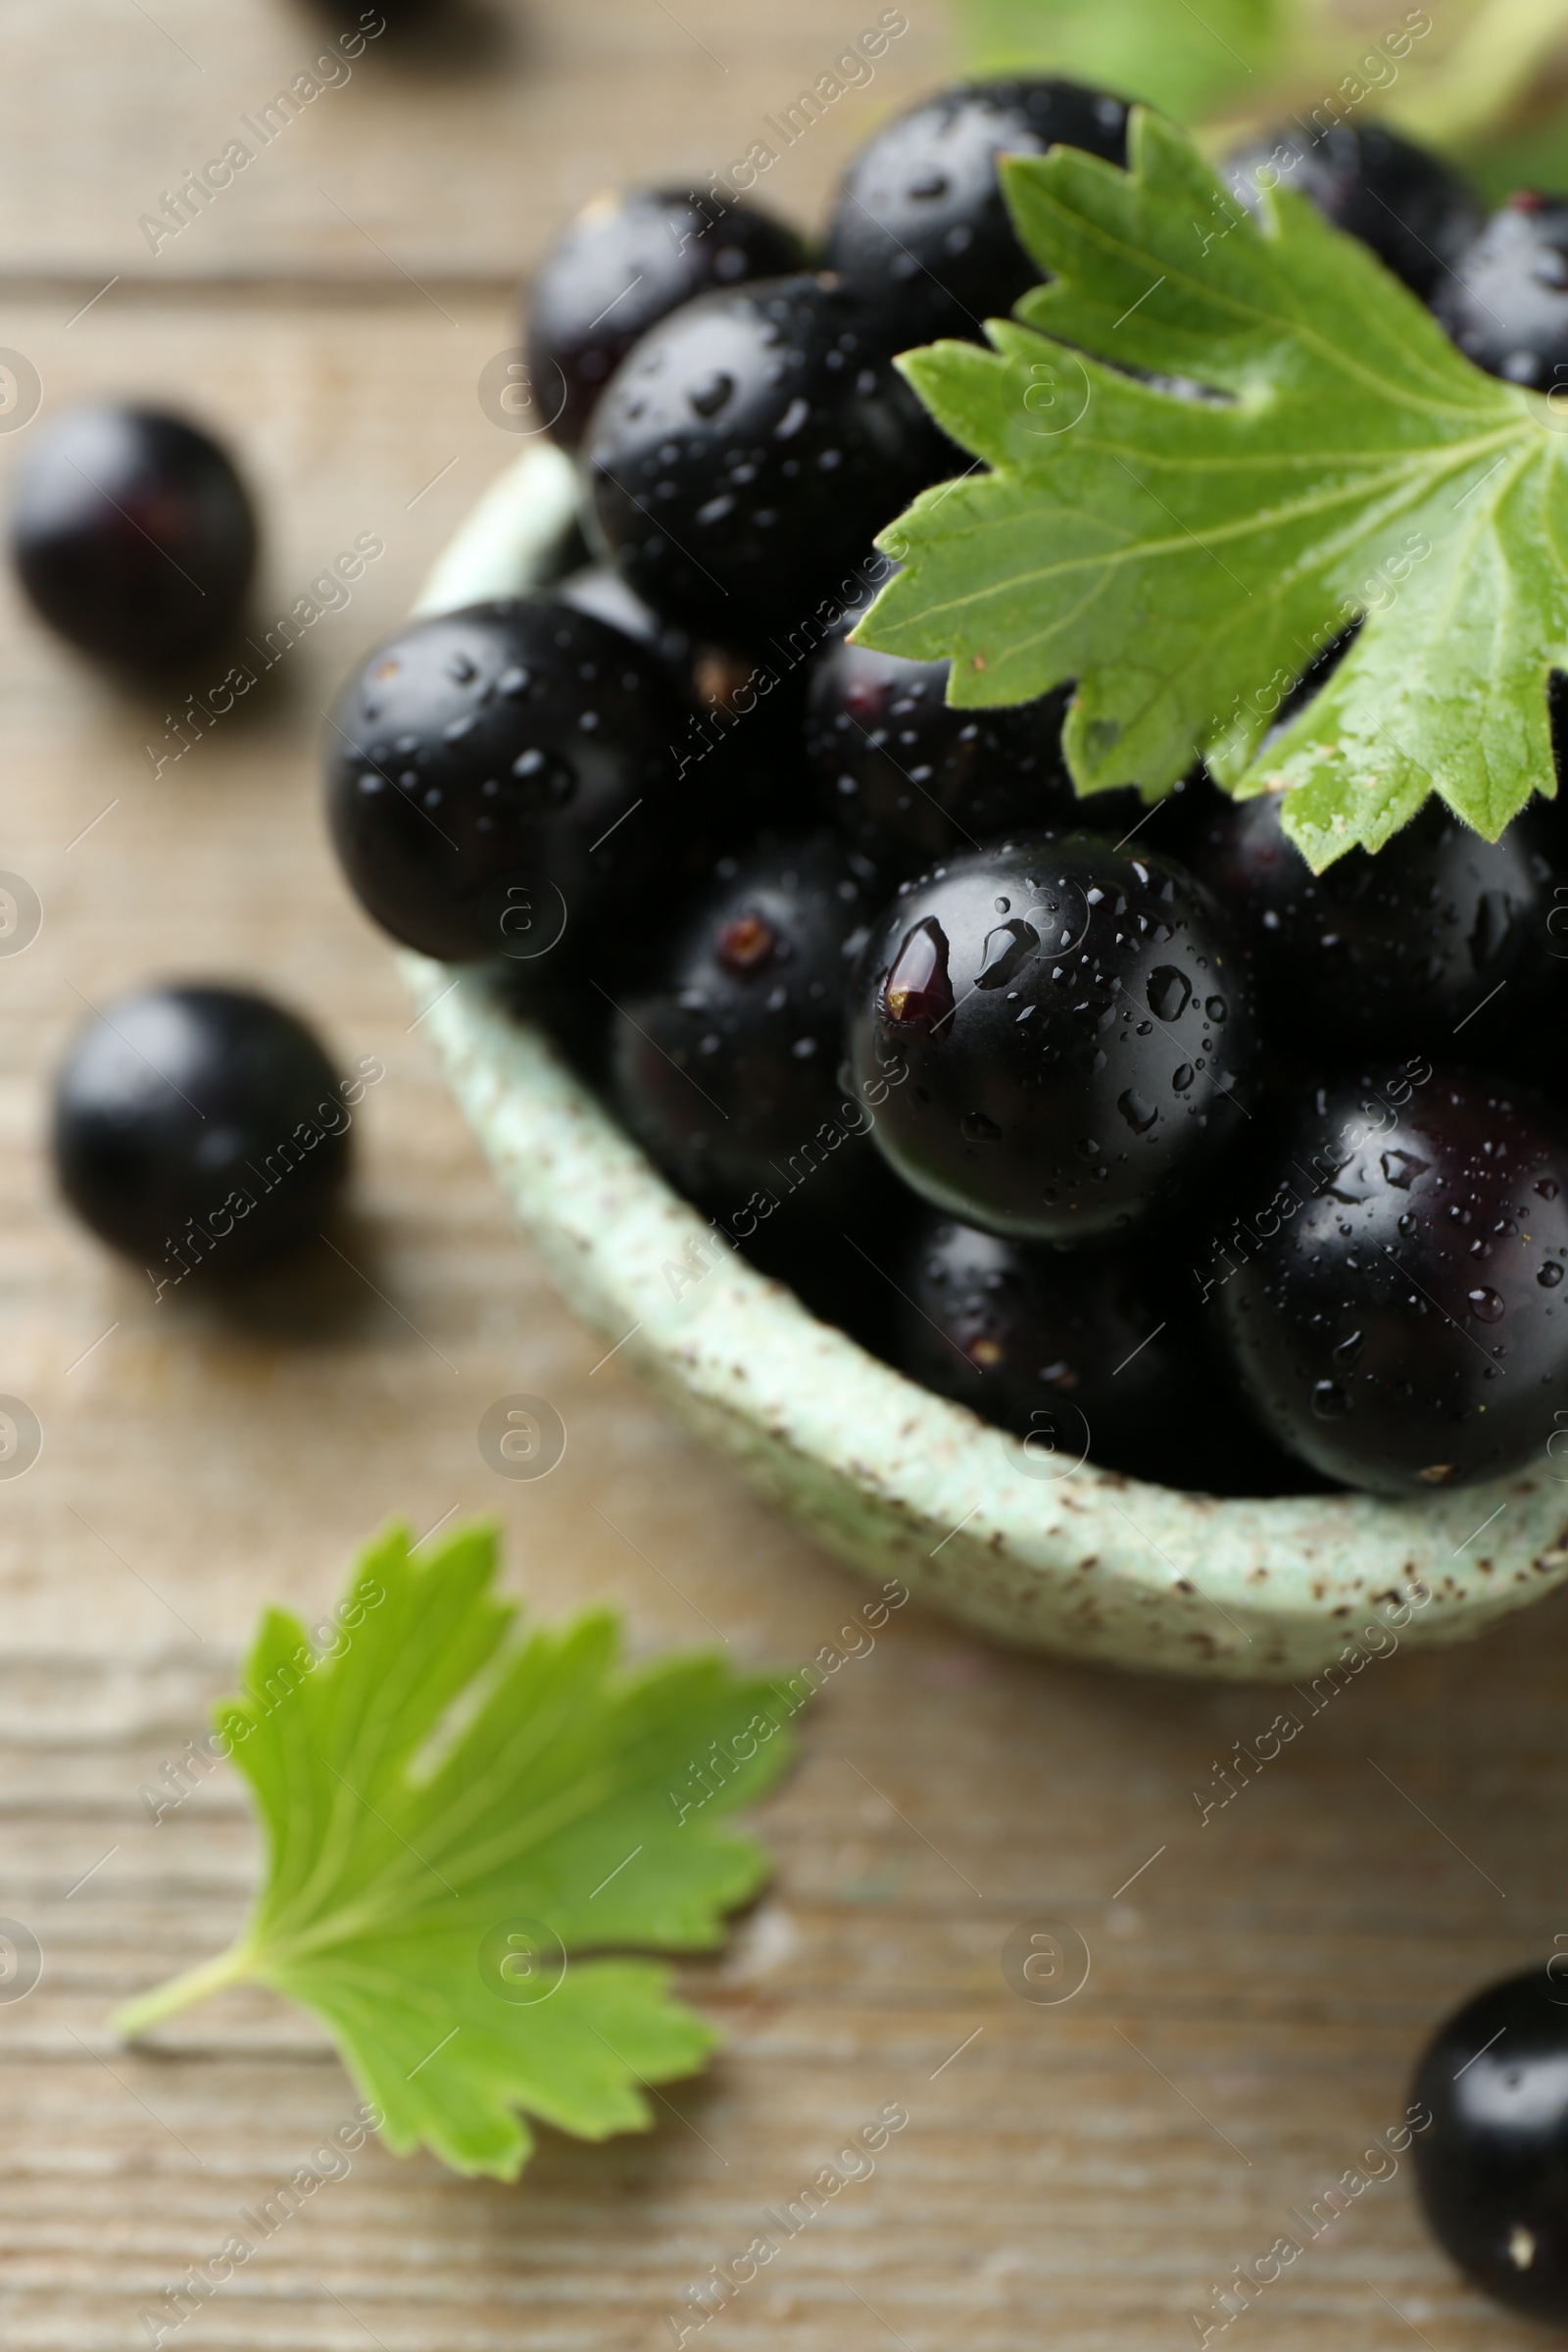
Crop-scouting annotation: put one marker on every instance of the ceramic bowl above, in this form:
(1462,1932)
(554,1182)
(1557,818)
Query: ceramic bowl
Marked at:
(900,1483)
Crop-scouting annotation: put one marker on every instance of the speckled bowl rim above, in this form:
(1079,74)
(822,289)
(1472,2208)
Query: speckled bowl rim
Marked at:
(897,1482)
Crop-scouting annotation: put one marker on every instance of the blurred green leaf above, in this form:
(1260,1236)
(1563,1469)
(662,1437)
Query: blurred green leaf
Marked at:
(1536,157)
(1468,84)
(1477,81)
(1189,60)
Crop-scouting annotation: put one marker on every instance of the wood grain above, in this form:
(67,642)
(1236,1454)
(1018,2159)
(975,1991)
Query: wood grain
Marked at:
(1082,2174)
(458,150)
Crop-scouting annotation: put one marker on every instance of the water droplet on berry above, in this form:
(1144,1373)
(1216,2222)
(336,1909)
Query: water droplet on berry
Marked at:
(1345,1354)
(1007,947)
(1551,1275)
(978,1129)
(1330,1402)
(1486,1306)
(1169,993)
(1137,1110)
(1492,928)
(1402,1168)
(918,988)
(709,396)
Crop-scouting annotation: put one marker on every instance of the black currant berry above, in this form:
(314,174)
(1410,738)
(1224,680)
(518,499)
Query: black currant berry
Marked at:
(627,261)
(1507,303)
(1069,1352)
(1081,1353)
(728,1071)
(1436,942)
(1063,1027)
(907,778)
(132,534)
(747,452)
(1415,211)
(197,1124)
(1492,2163)
(599,589)
(833,1259)
(741,760)
(1393,1289)
(921,226)
(737,758)
(498,781)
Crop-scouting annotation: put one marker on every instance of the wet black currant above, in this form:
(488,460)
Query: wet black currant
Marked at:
(921,226)
(1507,303)
(835,1258)
(1062,1027)
(1439,942)
(1070,1352)
(1392,1285)
(1078,1353)
(1416,212)
(599,589)
(1492,2162)
(132,534)
(627,261)
(728,1069)
(200,1126)
(737,758)
(907,778)
(498,781)
(747,452)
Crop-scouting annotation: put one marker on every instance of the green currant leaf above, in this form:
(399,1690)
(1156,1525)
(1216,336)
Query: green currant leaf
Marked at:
(452,1815)
(1183,555)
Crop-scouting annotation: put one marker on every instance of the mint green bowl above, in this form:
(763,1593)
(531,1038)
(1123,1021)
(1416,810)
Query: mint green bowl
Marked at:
(898,1482)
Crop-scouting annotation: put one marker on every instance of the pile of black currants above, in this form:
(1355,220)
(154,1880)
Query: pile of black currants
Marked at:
(1115,1123)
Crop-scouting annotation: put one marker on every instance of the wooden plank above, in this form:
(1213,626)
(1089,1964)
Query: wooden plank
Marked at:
(1274,1969)
(458,153)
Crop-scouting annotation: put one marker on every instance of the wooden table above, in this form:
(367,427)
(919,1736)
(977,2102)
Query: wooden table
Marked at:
(1082,2174)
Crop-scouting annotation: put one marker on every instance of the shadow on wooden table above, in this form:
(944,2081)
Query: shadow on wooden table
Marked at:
(454,38)
(331,1291)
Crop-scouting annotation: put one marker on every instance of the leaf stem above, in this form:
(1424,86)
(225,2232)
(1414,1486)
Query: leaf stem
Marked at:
(150,2009)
